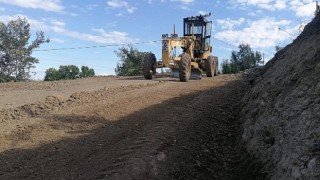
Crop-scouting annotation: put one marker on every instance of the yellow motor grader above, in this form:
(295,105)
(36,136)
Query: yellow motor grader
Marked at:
(195,48)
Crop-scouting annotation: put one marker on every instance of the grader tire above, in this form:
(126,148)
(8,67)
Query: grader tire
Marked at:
(185,67)
(210,69)
(148,65)
(216,65)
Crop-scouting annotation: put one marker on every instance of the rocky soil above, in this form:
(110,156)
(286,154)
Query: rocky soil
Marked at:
(282,111)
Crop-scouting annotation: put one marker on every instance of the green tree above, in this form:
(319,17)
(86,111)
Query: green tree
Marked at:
(226,66)
(241,60)
(86,72)
(131,61)
(91,73)
(68,72)
(15,51)
(51,74)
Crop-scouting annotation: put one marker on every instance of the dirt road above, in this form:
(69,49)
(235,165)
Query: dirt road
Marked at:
(131,129)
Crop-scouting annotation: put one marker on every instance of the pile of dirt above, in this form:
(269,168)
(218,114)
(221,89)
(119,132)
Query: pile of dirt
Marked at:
(282,111)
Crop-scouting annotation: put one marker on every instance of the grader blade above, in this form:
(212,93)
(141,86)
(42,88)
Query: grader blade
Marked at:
(196,74)
(175,73)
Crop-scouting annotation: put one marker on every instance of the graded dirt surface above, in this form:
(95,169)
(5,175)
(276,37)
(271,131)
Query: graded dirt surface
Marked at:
(16,94)
(128,128)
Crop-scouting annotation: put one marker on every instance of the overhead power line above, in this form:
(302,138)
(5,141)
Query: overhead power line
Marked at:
(292,36)
(225,42)
(96,46)
(115,45)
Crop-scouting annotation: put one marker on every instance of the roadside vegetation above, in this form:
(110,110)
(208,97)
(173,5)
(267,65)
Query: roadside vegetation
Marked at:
(130,61)
(16,60)
(241,60)
(68,72)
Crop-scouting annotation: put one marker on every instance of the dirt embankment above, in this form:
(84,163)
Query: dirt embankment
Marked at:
(282,111)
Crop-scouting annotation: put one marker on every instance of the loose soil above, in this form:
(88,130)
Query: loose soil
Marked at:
(127,128)
(282,110)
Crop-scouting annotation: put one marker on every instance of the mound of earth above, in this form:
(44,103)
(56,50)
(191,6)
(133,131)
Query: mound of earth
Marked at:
(282,111)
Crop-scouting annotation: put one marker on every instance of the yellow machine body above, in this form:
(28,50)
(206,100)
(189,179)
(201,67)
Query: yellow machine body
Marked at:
(194,46)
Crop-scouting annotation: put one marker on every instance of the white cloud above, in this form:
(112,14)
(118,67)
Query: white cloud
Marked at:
(57,40)
(97,35)
(5,19)
(280,4)
(121,4)
(104,37)
(184,1)
(306,10)
(262,33)
(202,12)
(47,5)
(44,24)
(101,36)
(229,24)
(302,8)
(255,13)
(183,4)
(57,23)
(264,4)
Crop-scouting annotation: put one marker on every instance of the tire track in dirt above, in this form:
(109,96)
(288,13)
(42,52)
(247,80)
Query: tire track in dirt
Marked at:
(208,140)
(133,161)
(138,156)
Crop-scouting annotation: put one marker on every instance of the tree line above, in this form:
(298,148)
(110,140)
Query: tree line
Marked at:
(68,72)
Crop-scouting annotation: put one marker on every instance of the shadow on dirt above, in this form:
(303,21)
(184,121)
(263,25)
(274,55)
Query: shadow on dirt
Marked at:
(175,139)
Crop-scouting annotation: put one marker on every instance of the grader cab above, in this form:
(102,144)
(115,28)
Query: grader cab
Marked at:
(195,48)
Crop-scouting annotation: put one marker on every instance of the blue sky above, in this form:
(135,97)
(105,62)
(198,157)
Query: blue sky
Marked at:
(79,23)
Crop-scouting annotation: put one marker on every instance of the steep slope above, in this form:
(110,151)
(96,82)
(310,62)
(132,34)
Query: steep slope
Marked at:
(282,111)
